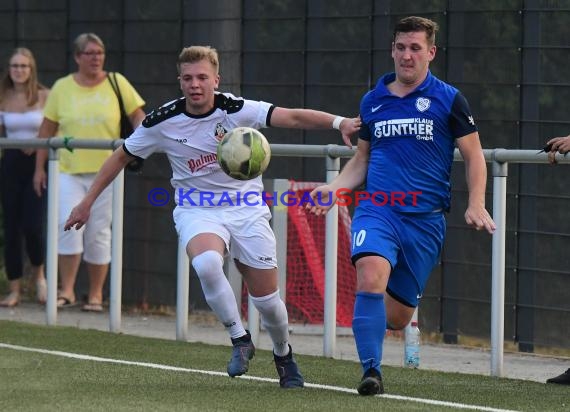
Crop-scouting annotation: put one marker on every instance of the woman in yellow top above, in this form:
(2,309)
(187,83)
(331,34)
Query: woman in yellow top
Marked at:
(84,105)
(22,98)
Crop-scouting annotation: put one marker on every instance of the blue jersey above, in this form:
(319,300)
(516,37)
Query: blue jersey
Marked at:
(412,139)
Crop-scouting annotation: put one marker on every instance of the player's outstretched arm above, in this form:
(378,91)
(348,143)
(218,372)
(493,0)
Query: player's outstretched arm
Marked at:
(315,119)
(110,169)
(476,175)
(352,176)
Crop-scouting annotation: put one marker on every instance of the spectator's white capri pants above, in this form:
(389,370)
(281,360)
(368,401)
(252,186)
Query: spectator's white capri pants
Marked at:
(94,238)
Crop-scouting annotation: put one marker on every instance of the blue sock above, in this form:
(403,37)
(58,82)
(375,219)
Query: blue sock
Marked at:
(369,328)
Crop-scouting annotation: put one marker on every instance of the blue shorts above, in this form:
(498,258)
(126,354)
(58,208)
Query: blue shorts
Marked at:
(411,243)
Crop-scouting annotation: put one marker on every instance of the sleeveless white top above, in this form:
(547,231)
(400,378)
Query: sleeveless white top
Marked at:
(21,125)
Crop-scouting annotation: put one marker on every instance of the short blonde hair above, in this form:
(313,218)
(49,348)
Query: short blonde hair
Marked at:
(194,54)
(81,41)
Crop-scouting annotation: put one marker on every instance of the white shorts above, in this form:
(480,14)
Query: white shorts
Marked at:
(244,229)
(94,238)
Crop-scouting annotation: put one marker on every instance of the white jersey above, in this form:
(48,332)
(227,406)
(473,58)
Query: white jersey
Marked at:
(190,143)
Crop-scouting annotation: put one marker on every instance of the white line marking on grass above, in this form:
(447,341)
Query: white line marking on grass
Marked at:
(253,378)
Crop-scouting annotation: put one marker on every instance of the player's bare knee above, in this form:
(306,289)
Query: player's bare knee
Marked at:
(397,319)
(208,263)
(396,324)
(260,282)
(370,286)
(371,282)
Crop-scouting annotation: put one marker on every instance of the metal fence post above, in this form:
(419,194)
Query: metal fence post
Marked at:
(279,223)
(51,241)
(116,280)
(331,256)
(182,290)
(500,173)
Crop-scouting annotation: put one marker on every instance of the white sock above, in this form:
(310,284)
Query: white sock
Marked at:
(274,318)
(209,267)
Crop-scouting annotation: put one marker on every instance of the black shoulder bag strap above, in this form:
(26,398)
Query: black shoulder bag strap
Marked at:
(125,125)
(115,85)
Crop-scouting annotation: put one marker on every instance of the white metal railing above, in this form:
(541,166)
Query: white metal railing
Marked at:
(500,158)
(54,144)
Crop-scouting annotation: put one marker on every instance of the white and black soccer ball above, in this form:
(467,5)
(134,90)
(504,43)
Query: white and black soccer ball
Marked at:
(243,153)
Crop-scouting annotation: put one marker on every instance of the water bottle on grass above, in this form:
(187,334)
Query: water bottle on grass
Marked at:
(412,346)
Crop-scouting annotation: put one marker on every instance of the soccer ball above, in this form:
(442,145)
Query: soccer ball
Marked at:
(243,153)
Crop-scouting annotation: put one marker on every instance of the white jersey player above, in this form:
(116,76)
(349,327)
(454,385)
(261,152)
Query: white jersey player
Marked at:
(190,142)
(187,130)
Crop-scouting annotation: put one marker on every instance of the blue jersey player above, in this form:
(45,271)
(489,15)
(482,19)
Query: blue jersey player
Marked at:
(411,123)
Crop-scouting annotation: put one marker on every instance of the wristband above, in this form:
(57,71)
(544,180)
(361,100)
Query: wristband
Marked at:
(336,122)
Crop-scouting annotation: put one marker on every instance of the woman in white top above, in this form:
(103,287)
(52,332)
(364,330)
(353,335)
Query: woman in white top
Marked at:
(22,99)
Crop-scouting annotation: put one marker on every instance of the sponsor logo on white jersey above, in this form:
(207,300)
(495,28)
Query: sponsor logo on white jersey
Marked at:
(204,160)
(220,131)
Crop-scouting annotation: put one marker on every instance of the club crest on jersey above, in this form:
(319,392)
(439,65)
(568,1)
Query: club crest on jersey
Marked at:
(422,104)
(220,131)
